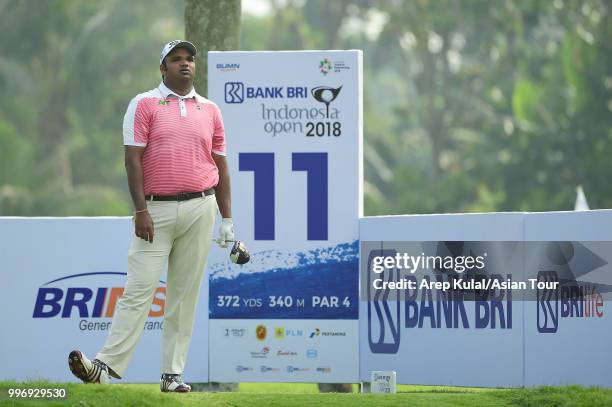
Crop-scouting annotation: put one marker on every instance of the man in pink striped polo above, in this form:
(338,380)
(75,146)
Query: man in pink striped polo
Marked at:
(175,161)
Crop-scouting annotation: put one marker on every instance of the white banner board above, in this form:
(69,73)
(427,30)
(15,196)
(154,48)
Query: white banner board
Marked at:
(61,279)
(568,334)
(436,339)
(293,128)
(552,327)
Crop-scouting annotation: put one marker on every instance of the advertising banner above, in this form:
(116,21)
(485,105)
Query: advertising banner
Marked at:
(429,334)
(568,329)
(61,279)
(293,123)
(488,312)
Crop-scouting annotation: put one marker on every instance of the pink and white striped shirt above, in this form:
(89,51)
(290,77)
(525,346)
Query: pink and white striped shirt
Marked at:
(180,134)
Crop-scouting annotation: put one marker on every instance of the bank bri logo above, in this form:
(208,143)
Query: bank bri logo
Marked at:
(234,92)
(566,263)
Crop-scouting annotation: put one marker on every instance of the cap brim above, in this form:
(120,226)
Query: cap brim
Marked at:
(187,45)
(182,44)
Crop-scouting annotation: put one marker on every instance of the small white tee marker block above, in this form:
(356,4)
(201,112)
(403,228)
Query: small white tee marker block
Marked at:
(383,382)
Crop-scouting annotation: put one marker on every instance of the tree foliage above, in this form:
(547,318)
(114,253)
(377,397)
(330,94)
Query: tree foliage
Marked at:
(469,105)
(67,72)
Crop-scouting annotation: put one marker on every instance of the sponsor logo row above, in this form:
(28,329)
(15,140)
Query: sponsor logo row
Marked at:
(264,352)
(288,369)
(325,66)
(261,333)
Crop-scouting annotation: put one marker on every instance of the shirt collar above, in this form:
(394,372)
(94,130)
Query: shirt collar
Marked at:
(165,91)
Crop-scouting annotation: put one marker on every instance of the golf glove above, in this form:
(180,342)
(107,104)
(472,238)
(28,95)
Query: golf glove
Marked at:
(226,232)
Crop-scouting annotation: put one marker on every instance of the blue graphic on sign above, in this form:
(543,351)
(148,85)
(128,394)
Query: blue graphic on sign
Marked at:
(316,284)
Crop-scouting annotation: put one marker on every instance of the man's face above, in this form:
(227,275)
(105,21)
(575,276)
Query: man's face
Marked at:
(180,66)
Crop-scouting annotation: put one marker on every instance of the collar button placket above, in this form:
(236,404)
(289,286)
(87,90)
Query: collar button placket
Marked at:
(182,106)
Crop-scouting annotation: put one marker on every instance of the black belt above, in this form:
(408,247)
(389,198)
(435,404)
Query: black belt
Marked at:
(181,196)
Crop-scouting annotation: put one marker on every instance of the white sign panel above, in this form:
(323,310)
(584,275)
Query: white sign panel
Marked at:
(61,279)
(430,335)
(509,299)
(293,128)
(568,330)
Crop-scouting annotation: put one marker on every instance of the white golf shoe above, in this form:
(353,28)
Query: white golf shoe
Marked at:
(89,371)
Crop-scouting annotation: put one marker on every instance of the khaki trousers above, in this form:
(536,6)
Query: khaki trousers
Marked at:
(183,236)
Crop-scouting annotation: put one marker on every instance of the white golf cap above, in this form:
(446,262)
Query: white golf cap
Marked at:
(176,44)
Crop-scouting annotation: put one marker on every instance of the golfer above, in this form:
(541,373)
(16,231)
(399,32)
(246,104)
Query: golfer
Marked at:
(175,161)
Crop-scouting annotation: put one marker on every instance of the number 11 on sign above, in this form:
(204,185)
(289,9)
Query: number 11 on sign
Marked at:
(262,165)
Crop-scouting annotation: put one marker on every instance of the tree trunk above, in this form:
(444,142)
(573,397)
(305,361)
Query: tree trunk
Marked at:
(53,130)
(212,25)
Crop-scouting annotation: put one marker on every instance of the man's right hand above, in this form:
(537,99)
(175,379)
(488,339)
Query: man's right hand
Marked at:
(143,226)
(226,232)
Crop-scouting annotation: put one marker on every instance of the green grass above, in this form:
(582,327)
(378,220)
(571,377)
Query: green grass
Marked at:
(282,394)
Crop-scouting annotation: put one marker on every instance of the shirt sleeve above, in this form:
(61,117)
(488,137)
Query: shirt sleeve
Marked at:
(136,123)
(218,141)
